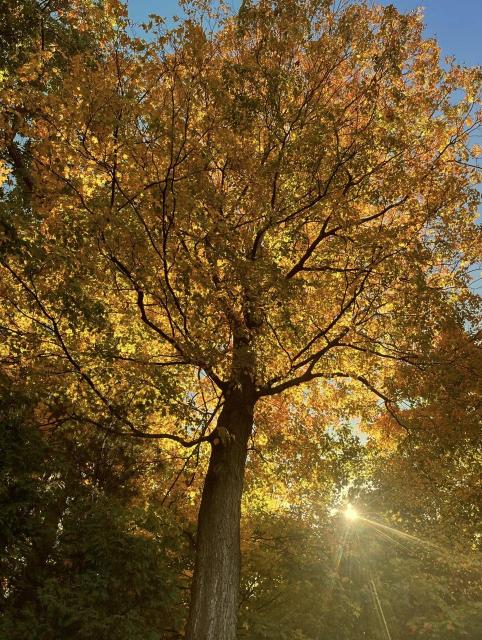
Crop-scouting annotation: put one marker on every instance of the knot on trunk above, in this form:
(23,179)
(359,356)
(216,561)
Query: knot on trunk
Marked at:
(222,436)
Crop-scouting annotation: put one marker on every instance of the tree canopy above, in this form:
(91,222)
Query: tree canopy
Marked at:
(237,237)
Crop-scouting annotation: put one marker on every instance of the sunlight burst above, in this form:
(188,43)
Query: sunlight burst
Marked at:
(351,513)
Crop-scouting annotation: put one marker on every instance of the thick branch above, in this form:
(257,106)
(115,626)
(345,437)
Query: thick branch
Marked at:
(18,162)
(324,233)
(111,408)
(138,433)
(154,327)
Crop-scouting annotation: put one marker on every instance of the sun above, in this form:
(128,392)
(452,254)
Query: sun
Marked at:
(351,513)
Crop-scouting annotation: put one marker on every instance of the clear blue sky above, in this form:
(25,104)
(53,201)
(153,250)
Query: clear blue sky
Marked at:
(457,24)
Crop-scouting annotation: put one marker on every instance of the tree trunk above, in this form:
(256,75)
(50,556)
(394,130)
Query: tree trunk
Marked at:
(215,586)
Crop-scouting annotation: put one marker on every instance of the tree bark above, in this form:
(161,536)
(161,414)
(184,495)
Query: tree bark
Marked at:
(215,586)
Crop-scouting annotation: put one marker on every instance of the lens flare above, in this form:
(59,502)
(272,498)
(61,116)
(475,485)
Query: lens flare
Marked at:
(351,513)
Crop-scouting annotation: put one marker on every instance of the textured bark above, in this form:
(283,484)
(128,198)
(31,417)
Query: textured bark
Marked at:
(215,587)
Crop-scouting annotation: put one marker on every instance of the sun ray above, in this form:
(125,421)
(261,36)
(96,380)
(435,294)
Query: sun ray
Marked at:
(398,532)
(338,558)
(341,549)
(436,547)
(380,608)
(372,589)
(387,537)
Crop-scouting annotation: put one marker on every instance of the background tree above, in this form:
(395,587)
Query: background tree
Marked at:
(225,213)
(409,565)
(434,470)
(88,546)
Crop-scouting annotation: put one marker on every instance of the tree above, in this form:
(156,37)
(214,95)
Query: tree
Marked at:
(279,203)
(329,578)
(87,544)
(292,586)
(410,562)
(432,471)
(29,25)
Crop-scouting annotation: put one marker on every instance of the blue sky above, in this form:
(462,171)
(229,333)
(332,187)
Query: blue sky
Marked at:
(457,24)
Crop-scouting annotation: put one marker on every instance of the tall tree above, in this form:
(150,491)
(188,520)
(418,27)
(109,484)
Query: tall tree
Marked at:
(239,207)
